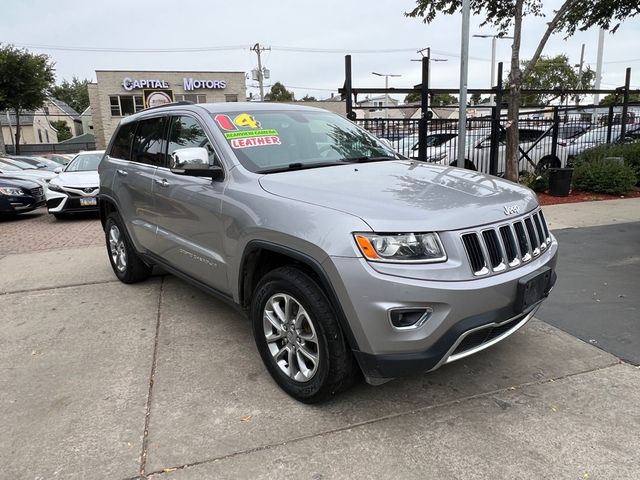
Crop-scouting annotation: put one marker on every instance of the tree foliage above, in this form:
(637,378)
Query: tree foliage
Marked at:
(443,100)
(553,73)
(64,132)
(75,93)
(507,15)
(412,97)
(25,80)
(618,98)
(475,99)
(308,98)
(279,93)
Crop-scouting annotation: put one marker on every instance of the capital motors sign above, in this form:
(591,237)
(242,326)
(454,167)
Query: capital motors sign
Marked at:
(130,84)
(190,84)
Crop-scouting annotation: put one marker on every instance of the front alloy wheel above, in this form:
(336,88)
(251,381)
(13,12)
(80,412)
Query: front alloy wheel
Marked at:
(291,337)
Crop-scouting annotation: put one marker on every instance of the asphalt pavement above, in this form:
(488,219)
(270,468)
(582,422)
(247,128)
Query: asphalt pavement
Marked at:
(597,295)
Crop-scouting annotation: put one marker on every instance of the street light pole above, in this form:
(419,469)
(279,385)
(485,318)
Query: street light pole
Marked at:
(464,69)
(386,87)
(493,37)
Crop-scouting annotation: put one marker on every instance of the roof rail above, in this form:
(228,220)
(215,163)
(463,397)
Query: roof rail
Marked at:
(173,104)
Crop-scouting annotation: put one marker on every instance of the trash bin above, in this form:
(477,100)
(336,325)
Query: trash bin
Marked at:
(560,181)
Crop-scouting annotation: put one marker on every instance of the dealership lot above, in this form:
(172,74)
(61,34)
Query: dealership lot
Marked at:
(105,380)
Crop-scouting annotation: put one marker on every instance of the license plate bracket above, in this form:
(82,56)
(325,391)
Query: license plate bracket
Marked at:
(88,202)
(533,288)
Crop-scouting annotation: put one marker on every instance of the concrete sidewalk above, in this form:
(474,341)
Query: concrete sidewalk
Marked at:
(592,214)
(106,380)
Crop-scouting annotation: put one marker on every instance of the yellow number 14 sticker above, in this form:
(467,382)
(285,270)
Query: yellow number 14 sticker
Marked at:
(246,120)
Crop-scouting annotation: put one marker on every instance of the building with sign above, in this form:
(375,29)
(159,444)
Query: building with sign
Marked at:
(118,93)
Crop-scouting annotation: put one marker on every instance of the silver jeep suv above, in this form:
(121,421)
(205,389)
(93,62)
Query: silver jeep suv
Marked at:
(345,256)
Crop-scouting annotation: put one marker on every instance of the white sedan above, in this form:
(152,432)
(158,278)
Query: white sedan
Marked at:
(75,189)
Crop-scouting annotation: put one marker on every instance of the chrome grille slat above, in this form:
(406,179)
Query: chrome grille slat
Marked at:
(506,246)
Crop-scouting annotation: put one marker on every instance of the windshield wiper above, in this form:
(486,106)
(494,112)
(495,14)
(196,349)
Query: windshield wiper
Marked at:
(369,159)
(298,166)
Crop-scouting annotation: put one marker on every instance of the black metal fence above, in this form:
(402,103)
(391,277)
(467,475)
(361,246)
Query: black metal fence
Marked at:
(42,148)
(550,136)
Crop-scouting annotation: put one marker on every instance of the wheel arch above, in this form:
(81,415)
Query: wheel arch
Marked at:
(260,257)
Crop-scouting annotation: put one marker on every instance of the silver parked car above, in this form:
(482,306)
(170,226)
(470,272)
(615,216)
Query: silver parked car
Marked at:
(344,255)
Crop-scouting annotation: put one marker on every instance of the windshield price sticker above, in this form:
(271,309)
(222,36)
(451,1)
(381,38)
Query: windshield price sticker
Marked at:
(250,133)
(255,141)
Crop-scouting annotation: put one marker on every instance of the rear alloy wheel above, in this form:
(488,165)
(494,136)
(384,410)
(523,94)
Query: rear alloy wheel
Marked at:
(298,336)
(125,261)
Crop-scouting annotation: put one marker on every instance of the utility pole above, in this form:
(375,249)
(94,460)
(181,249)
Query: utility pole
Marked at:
(464,70)
(596,97)
(579,82)
(429,60)
(260,74)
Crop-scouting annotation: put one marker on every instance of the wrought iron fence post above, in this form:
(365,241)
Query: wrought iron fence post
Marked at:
(625,104)
(554,133)
(609,123)
(495,125)
(424,106)
(351,115)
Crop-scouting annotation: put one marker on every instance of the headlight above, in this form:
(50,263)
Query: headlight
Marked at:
(401,248)
(12,192)
(55,187)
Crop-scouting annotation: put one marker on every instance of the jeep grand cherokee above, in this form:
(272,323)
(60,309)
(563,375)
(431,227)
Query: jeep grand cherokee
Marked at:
(345,255)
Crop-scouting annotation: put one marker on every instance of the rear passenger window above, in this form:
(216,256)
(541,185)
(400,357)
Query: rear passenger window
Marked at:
(186,132)
(121,147)
(149,142)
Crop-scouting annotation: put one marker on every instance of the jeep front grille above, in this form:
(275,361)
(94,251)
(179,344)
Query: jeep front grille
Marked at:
(507,246)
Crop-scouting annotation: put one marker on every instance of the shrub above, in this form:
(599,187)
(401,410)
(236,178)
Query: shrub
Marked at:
(603,176)
(629,151)
(536,182)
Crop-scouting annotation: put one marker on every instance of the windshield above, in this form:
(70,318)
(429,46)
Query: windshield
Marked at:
(22,165)
(84,162)
(270,140)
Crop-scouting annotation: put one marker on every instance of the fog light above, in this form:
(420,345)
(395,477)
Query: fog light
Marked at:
(405,318)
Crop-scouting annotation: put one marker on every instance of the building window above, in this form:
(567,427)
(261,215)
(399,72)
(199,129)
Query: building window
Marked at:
(122,105)
(231,98)
(191,97)
(40,135)
(46,134)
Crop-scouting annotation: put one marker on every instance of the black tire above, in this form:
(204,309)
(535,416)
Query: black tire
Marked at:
(548,162)
(134,269)
(336,368)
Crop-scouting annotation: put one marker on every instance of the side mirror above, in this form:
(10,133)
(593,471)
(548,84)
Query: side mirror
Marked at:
(57,170)
(193,161)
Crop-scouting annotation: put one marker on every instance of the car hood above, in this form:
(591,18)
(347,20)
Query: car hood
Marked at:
(39,175)
(402,196)
(78,179)
(9,181)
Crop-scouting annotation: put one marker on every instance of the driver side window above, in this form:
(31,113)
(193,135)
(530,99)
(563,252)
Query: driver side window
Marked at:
(186,132)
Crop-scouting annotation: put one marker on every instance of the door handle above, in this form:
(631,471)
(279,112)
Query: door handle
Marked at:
(123,173)
(162,182)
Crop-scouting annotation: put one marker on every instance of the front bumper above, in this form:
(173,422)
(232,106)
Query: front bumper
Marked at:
(58,202)
(467,316)
(21,203)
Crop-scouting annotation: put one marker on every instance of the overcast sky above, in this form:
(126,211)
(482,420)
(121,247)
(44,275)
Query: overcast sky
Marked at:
(344,25)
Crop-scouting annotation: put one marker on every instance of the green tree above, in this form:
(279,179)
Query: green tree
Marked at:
(443,100)
(308,98)
(506,17)
(25,80)
(553,73)
(279,93)
(64,132)
(475,99)
(74,93)
(618,98)
(412,97)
